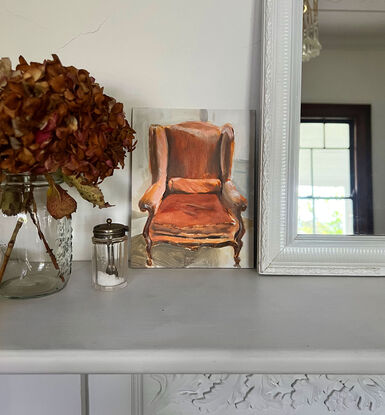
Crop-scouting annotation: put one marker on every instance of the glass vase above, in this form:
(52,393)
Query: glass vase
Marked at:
(38,247)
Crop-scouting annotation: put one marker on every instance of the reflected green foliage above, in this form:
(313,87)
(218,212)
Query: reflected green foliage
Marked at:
(334,226)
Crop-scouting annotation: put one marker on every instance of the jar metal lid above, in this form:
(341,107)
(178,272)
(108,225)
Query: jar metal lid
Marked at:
(110,230)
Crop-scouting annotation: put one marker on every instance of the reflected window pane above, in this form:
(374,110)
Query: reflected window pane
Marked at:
(331,173)
(305,180)
(337,135)
(312,135)
(325,204)
(333,216)
(305,216)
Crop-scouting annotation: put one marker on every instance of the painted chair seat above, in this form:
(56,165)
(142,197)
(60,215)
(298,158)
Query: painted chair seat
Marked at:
(194,216)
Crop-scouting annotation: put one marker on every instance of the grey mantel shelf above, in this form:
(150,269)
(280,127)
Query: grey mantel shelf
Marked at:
(199,321)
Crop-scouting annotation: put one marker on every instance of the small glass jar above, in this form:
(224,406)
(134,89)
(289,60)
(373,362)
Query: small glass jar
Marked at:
(110,256)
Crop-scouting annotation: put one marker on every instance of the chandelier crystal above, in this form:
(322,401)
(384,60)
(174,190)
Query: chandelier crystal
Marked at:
(311,47)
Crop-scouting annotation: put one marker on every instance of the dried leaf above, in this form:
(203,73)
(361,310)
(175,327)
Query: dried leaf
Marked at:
(17,127)
(5,71)
(45,133)
(58,83)
(69,95)
(59,203)
(89,192)
(40,88)
(26,156)
(15,143)
(72,123)
(11,201)
(23,64)
(11,105)
(34,72)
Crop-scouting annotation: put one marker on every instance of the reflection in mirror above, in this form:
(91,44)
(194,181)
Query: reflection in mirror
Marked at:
(341,188)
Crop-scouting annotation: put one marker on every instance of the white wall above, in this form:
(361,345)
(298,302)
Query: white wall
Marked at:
(147,53)
(354,77)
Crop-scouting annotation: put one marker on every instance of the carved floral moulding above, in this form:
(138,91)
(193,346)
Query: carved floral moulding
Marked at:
(245,394)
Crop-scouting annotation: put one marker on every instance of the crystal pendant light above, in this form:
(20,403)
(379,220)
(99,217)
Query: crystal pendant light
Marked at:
(311,47)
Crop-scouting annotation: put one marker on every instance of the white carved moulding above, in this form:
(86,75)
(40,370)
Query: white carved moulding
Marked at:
(247,394)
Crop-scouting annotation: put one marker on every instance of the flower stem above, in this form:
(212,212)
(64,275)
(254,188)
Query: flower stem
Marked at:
(10,246)
(35,220)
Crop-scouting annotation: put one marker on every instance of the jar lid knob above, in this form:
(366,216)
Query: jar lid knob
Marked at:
(109,221)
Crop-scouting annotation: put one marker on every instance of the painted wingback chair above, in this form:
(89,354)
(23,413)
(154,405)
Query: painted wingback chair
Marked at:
(192,201)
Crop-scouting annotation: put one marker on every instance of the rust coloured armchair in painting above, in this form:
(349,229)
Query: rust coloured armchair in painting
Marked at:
(192,201)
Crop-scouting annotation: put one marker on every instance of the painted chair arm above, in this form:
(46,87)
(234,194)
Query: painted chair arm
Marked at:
(151,199)
(232,198)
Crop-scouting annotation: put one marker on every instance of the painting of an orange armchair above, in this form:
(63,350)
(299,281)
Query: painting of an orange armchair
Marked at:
(192,201)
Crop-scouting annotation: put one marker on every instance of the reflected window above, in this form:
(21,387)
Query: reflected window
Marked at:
(334,192)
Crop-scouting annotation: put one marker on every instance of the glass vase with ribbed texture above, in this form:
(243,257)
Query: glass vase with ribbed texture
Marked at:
(35,248)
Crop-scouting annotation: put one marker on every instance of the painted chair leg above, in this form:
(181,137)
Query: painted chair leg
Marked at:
(237,249)
(148,250)
(149,261)
(146,235)
(238,241)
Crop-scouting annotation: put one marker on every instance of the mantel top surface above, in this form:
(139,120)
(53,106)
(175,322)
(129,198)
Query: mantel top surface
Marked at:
(199,321)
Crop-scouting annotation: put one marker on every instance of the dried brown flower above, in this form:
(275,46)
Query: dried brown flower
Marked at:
(57,118)
(53,117)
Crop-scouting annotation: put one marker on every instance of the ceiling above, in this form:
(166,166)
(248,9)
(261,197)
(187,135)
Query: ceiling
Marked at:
(352,23)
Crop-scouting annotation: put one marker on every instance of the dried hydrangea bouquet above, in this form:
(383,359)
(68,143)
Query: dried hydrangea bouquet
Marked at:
(56,126)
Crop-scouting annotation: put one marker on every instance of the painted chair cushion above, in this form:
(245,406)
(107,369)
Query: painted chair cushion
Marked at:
(194,216)
(182,185)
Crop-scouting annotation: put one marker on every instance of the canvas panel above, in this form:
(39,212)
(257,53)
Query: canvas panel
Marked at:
(186,242)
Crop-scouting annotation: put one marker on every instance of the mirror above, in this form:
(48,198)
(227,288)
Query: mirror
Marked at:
(322,149)
(341,188)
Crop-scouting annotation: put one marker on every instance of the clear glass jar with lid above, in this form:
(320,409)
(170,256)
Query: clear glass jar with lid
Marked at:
(110,256)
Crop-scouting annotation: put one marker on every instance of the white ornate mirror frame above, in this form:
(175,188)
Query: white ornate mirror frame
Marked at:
(281,251)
